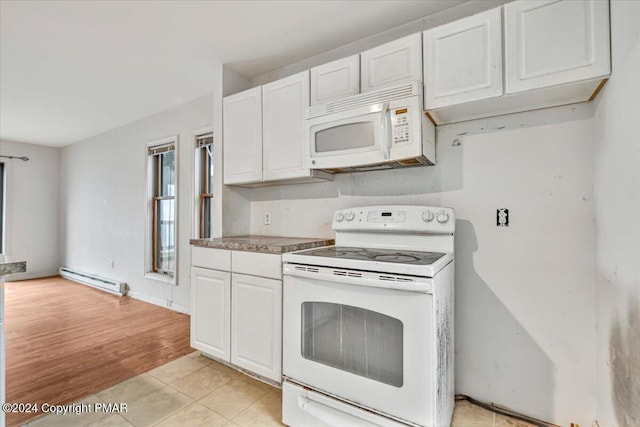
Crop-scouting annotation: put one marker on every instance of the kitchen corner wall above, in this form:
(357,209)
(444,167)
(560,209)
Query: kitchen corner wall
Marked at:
(32,208)
(104,207)
(617,205)
(525,294)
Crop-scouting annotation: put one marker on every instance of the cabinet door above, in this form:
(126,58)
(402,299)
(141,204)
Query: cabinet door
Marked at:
(335,80)
(242,137)
(256,326)
(463,60)
(548,43)
(397,62)
(210,312)
(284,106)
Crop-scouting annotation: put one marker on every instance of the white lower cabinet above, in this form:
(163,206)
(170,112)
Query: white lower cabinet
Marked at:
(256,319)
(210,312)
(236,315)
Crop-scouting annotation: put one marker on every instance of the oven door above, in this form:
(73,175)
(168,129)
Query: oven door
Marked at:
(369,345)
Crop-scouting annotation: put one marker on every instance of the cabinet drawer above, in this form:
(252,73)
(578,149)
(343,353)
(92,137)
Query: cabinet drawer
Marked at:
(216,259)
(257,264)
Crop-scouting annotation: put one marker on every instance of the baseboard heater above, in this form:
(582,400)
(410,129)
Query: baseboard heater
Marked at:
(109,285)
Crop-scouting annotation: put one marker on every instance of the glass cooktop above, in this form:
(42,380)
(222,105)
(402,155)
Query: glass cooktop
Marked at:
(376,255)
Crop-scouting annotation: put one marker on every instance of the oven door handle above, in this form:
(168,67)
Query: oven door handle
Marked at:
(329,415)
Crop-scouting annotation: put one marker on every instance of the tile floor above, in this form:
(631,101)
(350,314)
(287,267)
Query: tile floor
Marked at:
(197,391)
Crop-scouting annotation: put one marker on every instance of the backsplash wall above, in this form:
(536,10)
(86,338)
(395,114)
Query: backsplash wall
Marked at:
(525,295)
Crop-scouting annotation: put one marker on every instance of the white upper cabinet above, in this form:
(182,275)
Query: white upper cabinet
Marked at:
(549,43)
(463,60)
(284,104)
(335,80)
(397,62)
(242,137)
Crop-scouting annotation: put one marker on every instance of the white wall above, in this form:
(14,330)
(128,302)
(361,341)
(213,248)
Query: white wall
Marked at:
(104,203)
(32,208)
(617,204)
(525,295)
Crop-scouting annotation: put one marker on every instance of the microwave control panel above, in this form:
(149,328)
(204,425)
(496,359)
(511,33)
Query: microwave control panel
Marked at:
(400,126)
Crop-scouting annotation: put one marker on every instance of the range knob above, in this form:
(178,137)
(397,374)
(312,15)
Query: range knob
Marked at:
(428,216)
(339,217)
(442,217)
(350,216)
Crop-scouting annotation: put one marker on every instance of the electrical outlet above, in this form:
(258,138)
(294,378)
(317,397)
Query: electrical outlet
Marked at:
(113,264)
(502,217)
(267,218)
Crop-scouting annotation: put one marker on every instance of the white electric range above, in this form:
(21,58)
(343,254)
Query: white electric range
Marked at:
(368,323)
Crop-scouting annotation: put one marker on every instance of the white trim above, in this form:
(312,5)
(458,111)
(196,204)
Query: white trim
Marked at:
(163,141)
(180,308)
(195,189)
(159,277)
(203,131)
(149,210)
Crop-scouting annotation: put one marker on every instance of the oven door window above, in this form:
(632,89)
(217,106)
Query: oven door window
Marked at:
(353,339)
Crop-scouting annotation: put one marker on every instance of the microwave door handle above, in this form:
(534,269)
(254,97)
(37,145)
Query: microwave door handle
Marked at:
(386,130)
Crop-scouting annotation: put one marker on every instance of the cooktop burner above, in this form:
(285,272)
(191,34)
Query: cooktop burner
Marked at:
(375,255)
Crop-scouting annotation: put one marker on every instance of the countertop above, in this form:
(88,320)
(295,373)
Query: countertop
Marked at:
(262,244)
(9,266)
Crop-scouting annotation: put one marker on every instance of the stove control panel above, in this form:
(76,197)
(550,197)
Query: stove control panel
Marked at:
(404,219)
(387,216)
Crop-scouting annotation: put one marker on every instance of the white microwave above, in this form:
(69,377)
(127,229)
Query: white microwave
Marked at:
(376,130)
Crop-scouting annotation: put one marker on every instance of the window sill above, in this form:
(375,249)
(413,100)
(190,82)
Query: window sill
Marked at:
(160,278)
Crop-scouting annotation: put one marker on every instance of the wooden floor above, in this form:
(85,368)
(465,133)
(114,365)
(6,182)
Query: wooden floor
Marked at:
(65,340)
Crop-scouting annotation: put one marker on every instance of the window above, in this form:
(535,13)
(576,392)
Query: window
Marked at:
(204,168)
(162,189)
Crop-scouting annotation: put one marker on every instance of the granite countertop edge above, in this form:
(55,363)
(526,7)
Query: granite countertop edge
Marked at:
(277,245)
(12,267)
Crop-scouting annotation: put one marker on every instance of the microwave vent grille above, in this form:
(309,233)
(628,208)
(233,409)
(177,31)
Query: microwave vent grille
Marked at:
(365,99)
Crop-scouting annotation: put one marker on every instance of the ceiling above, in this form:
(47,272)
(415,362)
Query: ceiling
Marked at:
(73,69)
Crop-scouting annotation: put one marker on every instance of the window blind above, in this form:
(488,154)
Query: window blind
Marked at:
(162,148)
(204,140)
